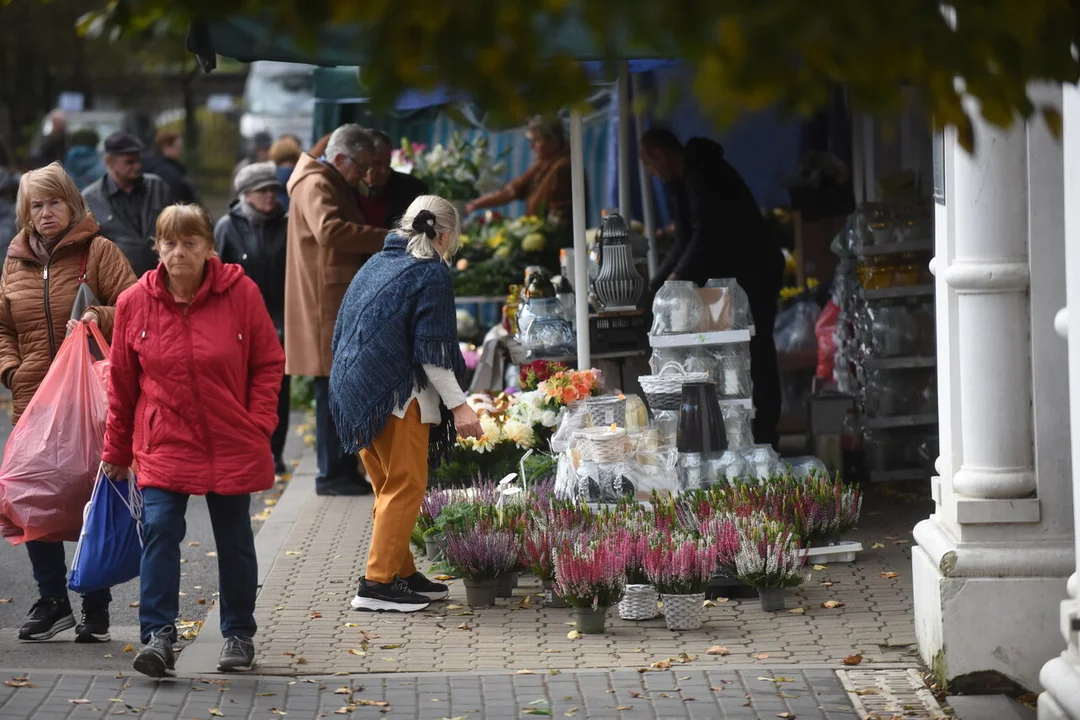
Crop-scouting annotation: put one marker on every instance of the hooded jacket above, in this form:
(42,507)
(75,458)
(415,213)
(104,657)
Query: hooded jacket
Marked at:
(329,240)
(35,305)
(193,390)
(260,250)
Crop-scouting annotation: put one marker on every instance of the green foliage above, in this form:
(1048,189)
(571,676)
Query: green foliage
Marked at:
(302,391)
(516,59)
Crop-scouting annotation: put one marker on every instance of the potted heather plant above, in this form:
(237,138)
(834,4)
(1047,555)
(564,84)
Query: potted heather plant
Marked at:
(430,509)
(591,575)
(768,559)
(479,556)
(679,566)
(640,602)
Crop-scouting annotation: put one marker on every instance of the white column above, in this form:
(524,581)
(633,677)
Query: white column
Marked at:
(1060,676)
(625,138)
(990,276)
(991,563)
(581,257)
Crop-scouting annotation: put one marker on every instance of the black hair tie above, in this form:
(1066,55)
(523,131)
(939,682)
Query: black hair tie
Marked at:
(424,222)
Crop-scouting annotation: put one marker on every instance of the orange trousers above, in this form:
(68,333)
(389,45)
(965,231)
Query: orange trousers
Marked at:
(397,467)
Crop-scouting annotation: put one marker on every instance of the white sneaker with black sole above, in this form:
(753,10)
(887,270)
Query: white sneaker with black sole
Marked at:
(388,597)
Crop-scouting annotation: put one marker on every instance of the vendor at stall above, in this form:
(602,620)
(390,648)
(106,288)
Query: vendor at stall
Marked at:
(721,233)
(389,192)
(545,187)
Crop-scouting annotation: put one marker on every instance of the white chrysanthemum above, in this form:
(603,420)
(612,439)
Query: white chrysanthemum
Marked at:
(549,418)
(520,434)
(492,431)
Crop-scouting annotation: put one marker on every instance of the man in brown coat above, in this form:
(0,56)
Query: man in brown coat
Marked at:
(329,240)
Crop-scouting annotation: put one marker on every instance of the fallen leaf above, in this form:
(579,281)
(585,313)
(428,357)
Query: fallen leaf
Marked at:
(193,543)
(762,656)
(539,702)
(902,542)
(343,691)
(685,658)
(216,713)
(301,661)
(214,554)
(351,625)
(316,615)
(354,651)
(889,575)
(821,567)
(717,689)
(786,696)
(5,601)
(573,635)
(717,650)
(107,655)
(551,651)
(290,653)
(79,701)
(708,604)
(371,703)
(265,694)
(368,635)
(201,601)
(129,648)
(877,546)
(622,707)
(464,626)
(661,665)
(536,711)
(635,694)
(797,611)
(390,647)
(453,607)
(277,711)
(444,578)
(853,659)
(293,552)
(339,673)
(20,683)
(524,672)
(723,600)
(867,691)
(827,583)
(830,604)
(526,603)
(786,716)
(572,712)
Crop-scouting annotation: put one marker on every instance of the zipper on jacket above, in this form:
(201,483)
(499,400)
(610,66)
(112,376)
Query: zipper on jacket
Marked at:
(198,395)
(48,314)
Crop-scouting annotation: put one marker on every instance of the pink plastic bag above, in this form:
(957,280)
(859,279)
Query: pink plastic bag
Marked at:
(53,454)
(826,339)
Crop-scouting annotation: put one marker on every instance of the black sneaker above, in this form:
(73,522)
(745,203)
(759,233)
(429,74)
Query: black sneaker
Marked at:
(348,486)
(280,468)
(389,597)
(48,618)
(430,589)
(238,655)
(94,627)
(157,658)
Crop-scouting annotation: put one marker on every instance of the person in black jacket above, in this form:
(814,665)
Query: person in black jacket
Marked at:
(721,233)
(253,235)
(389,192)
(164,161)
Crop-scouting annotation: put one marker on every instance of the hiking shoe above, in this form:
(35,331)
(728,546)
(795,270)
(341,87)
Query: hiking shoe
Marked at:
(389,597)
(94,627)
(157,658)
(280,468)
(238,655)
(48,618)
(430,589)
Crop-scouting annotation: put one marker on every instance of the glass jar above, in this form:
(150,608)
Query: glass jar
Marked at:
(764,462)
(738,302)
(733,376)
(677,308)
(875,224)
(738,426)
(700,360)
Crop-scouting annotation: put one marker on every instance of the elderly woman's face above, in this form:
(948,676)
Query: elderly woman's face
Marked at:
(49,215)
(185,257)
(264,199)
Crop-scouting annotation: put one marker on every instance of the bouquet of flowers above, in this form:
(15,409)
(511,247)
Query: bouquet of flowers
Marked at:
(680,564)
(495,252)
(590,573)
(768,555)
(536,372)
(458,171)
(569,386)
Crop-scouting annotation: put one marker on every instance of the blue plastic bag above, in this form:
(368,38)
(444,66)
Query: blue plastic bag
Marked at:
(110,545)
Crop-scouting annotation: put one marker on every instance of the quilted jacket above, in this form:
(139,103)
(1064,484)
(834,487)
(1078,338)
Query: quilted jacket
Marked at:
(35,305)
(193,390)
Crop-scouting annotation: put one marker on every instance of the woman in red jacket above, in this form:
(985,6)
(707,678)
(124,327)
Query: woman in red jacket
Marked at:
(196,367)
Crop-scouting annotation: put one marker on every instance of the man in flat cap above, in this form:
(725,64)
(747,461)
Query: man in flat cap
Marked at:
(126,202)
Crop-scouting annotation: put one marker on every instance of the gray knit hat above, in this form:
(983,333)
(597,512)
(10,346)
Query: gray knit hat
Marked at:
(256,176)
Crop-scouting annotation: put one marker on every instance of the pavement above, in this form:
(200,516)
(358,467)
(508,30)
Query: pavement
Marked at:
(843,649)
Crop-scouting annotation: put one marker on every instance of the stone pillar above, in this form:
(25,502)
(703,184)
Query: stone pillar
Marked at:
(990,566)
(1060,676)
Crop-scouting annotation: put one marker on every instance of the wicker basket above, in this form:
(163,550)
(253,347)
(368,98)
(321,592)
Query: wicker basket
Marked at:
(602,445)
(639,603)
(684,612)
(664,390)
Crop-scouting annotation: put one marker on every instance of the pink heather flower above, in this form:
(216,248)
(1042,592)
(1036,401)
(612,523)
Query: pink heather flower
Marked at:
(679,564)
(591,574)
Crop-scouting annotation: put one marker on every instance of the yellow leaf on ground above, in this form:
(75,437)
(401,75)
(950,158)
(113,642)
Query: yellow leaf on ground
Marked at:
(661,665)
(717,650)
(797,611)
(525,672)
(453,607)
(444,578)
(5,601)
(890,575)
(573,635)
(877,546)
(371,703)
(830,604)
(211,554)
(129,648)
(293,552)
(464,626)
(821,567)
(354,651)
(708,604)
(301,661)
(216,713)
(343,691)
(193,543)
(526,603)
(278,711)
(351,625)
(79,701)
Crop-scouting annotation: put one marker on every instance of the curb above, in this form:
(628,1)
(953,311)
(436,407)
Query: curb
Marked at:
(201,656)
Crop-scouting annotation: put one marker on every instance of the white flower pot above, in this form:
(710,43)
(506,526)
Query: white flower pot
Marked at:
(684,612)
(639,603)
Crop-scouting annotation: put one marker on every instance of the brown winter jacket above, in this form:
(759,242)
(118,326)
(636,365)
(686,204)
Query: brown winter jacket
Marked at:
(329,240)
(34,311)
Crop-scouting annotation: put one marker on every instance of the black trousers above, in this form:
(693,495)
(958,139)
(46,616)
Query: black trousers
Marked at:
(281,434)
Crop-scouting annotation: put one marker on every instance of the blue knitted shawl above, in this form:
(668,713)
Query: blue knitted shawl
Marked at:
(398,315)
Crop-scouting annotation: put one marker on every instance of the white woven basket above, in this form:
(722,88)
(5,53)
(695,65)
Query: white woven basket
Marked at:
(684,612)
(639,603)
(664,390)
(603,445)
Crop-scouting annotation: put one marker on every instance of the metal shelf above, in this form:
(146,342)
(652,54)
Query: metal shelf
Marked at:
(701,339)
(901,421)
(898,292)
(900,363)
(895,248)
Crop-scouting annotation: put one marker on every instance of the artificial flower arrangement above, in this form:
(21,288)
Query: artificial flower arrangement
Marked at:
(457,171)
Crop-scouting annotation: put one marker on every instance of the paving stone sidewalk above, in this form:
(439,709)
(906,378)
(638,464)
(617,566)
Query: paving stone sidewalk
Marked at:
(307,627)
(713,693)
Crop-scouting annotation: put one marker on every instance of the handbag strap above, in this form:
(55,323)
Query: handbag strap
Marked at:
(85,259)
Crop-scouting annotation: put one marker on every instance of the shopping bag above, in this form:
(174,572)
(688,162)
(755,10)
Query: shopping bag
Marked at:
(53,454)
(110,545)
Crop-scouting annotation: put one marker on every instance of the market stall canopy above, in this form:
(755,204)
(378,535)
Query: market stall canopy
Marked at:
(248,39)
